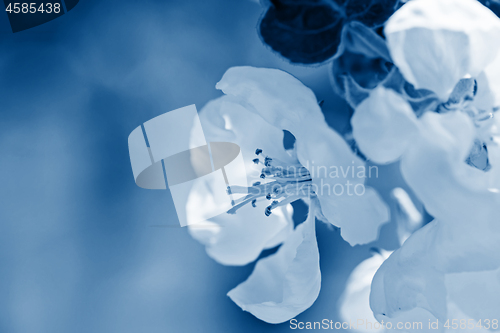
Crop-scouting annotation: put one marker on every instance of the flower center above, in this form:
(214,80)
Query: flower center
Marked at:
(462,99)
(281,184)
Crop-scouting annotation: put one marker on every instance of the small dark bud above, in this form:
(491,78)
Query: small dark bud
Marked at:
(268,210)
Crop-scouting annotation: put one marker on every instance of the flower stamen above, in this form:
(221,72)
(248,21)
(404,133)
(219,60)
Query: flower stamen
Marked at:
(286,183)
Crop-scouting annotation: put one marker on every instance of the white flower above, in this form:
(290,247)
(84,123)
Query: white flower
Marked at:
(287,104)
(462,288)
(448,47)
(435,43)
(450,157)
(259,104)
(464,237)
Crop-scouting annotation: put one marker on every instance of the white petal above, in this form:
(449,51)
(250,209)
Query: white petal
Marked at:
(238,239)
(406,283)
(384,125)
(435,43)
(420,277)
(278,97)
(284,213)
(225,120)
(286,283)
(359,217)
(465,289)
(408,217)
(488,86)
(354,303)
(454,312)
(338,176)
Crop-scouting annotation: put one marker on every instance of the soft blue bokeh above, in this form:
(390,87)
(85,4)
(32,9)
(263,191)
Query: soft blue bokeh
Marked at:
(78,250)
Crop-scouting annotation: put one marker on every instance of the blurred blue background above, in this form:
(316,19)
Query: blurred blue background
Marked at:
(79,250)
